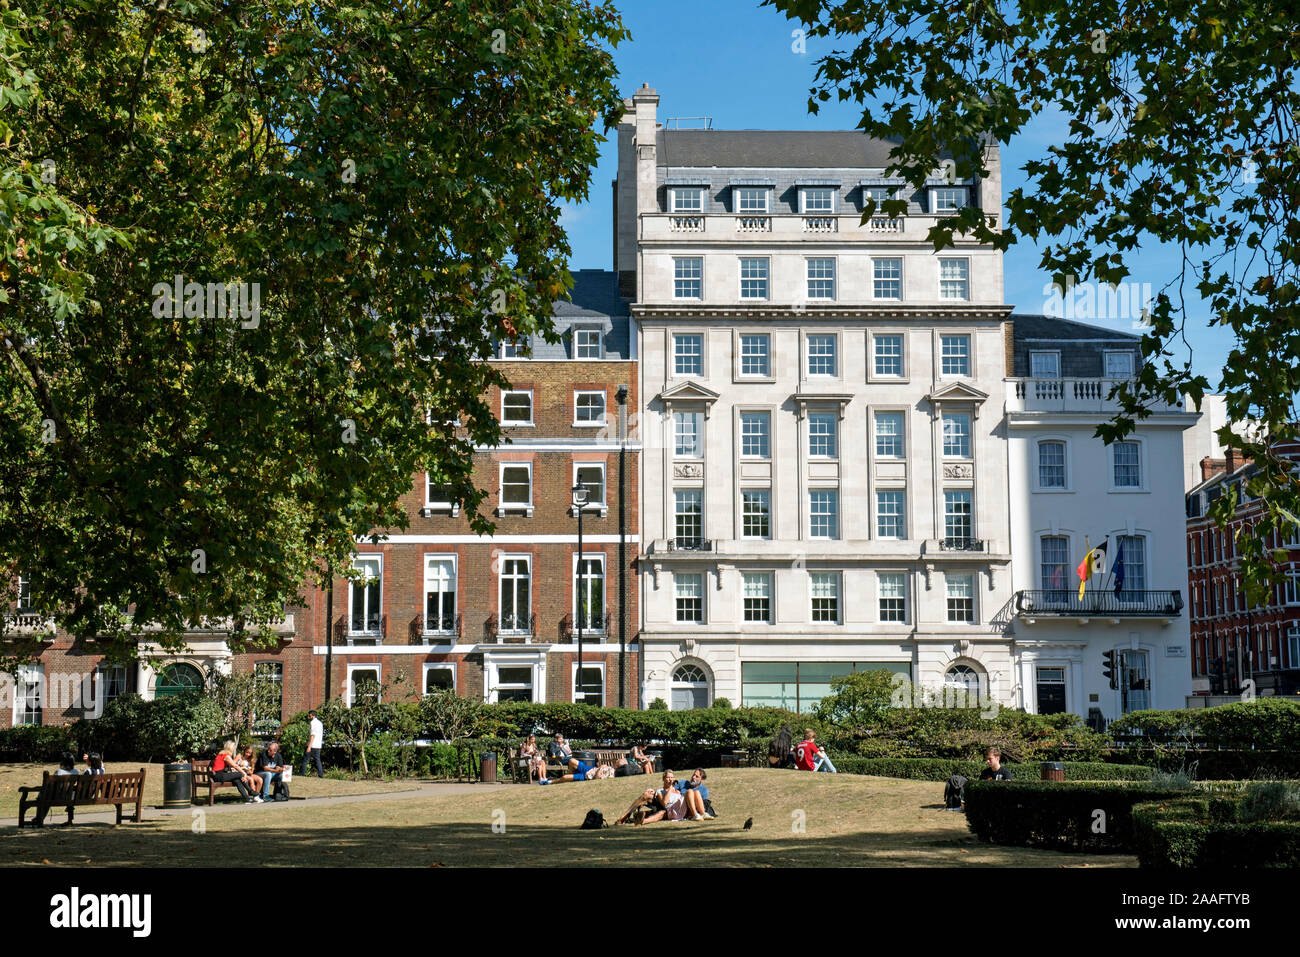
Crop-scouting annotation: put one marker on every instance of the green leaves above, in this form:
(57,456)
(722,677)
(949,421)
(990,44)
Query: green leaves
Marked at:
(356,165)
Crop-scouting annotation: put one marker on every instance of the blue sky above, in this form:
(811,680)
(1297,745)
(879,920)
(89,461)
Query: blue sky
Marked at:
(733,61)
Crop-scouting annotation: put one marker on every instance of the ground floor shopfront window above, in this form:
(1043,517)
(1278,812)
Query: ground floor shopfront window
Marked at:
(801,685)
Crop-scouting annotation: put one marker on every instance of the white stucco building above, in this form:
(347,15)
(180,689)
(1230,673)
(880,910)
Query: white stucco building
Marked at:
(1067,487)
(823,479)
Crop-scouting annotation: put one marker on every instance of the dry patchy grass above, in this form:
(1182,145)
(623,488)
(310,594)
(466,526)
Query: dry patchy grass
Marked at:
(849,820)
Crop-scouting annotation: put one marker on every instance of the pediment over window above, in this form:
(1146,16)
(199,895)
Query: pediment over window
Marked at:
(957,393)
(688,392)
(804,399)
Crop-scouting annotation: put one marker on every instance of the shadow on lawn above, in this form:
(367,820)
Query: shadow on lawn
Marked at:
(715,843)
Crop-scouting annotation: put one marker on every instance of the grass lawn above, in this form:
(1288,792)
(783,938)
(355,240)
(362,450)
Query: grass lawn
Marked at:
(849,820)
(13,776)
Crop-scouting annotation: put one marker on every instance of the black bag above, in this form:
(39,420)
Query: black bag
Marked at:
(954,792)
(594,821)
(281,792)
(708,806)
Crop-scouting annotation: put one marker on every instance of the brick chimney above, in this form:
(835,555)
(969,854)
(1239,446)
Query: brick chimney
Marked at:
(1211,466)
(1234,459)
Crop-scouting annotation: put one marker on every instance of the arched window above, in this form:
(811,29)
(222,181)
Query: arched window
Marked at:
(963,683)
(689,688)
(176,679)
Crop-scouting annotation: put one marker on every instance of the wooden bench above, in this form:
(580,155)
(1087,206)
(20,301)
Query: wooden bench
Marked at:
(201,777)
(81,790)
(608,756)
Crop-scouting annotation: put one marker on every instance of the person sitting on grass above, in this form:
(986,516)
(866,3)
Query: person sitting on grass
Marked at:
(995,771)
(695,783)
(644,804)
(809,756)
(224,770)
(638,756)
(675,805)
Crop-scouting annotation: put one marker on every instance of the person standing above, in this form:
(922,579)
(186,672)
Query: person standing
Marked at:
(315,740)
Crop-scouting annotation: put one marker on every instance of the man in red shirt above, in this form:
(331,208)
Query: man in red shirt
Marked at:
(809,757)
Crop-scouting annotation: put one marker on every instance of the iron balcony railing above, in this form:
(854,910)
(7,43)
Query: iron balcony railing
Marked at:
(1065,603)
(961,544)
(690,544)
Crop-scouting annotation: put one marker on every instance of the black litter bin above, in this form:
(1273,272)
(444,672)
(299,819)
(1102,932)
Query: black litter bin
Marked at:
(487,769)
(588,756)
(177,790)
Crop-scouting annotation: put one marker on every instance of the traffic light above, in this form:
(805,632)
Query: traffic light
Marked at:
(1108,669)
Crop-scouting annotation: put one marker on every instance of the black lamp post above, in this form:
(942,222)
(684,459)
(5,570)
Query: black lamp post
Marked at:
(579,503)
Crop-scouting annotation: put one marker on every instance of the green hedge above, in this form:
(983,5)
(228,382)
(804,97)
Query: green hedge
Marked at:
(964,733)
(938,769)
(36,743)
(1265,724)
(1059,816)
(1208,832)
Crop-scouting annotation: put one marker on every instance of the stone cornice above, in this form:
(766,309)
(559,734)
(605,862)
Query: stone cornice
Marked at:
(870,312)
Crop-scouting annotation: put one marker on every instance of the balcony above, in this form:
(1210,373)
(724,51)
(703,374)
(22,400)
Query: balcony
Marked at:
(961,544)
(1069,395)
(788,227)
(753,224)
(26,623)
(594,629)
(690,545)
(440,629)
(510,629)
(1065,603)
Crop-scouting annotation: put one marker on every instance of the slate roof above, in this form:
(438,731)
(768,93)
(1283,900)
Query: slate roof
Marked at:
(593,300)
(792,149)
(1081,345)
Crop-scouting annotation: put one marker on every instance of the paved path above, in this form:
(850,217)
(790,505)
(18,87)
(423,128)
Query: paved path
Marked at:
(57,816)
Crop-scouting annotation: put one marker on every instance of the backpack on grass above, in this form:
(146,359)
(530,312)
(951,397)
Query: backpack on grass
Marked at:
(594,821)
(954,792)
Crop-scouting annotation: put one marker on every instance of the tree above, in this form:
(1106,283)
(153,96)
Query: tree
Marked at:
(448,716)
(241,698)
(357,198)
(353,725)
(1182,130)
(856,700)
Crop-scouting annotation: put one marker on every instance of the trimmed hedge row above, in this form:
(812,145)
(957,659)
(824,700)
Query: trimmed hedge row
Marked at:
(936,769)
(1069,816)
(1266,724)
(1206,832)
(36,743)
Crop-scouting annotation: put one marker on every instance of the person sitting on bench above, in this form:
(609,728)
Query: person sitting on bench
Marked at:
(67,763)
(270,767)
(94,763)
(224,770)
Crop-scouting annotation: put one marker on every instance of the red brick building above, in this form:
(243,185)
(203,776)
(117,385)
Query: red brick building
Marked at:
(1234,641)
(494,617)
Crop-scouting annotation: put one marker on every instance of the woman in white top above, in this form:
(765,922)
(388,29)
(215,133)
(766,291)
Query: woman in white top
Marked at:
(676,807)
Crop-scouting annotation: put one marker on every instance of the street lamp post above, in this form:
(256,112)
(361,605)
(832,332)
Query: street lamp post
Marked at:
(579,503)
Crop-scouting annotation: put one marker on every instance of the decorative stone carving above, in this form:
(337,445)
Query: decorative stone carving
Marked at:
(958,472)
(688,470)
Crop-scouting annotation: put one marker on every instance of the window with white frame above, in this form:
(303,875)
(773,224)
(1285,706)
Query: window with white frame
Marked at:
(755,435)
(889,355)
(687,199)
(1133,549)
(823,439)
(825,589)
(756,513)
(516,595)
(1119,365)
(752,200)
(954,355)
(688,354)
(1051,464)
(24,594)
(1128,468)
(590,591)
(947,199)
(439,594)
(363,684)
(757,587)
(957,526)
(688,277)
(511,350)
(824,513)
(889,435)
(28,683)
(688,517)
(1044,365)
(437,495)
(753,278)
(821,355)
(954,278)
(1293,644)
(591,476)
(956,435)
(439,678)
(268,682)
(517,485)
(817,200)
(590,687)
(887,278)
(821,278)
(114,681)
(890,516)
(365,596)
(687,442)
(961,597)
(517,408)
(589,408)
(1054,565)
(514,683)
(881,195)
(756,355)
(893,596)
(689,593)
(588,343)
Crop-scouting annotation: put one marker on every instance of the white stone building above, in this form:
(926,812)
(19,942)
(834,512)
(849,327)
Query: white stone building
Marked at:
(1067,489)
(823,479)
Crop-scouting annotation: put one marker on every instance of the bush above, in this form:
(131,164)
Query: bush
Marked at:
(37,743)
(1265,724)
(940,769)
(1215,832)
(658,705)
(1093,817)
(179,727)
(722,704)
(1270,801)
(964,733)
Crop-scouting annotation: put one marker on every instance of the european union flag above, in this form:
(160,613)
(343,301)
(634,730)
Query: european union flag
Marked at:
(1117,569)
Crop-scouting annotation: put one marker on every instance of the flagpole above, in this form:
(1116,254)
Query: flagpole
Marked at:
(1106,576)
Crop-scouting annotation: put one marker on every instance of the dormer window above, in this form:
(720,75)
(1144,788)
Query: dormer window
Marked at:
(752,200)
(817,200)
(588,343)
(687,199)
(948,199)
(881,194)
